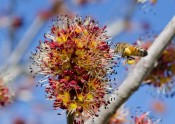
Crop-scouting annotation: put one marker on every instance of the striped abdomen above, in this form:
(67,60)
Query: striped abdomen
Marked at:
(137,51)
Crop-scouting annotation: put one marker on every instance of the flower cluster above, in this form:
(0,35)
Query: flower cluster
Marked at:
(5,94)
(76,58)
(144,1)
(144,118)
(162,76)
(120,117)
(125,116)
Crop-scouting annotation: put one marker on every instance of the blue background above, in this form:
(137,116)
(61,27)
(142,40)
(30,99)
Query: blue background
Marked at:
(36,109)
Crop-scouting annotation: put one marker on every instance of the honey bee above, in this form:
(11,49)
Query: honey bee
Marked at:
(128,51)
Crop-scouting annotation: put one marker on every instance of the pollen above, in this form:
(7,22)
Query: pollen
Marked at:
(127,52)
(130,61)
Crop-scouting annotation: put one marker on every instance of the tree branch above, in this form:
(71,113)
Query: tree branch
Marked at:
(134,79)
(17,54)
(119,25)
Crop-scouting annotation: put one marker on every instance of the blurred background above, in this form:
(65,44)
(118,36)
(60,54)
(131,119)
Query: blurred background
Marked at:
(23,24)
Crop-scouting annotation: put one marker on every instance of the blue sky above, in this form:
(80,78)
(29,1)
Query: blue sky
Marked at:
(40,110)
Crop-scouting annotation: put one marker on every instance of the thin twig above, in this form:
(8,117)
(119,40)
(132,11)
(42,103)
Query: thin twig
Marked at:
(17,54)
(70,118)
(119,25)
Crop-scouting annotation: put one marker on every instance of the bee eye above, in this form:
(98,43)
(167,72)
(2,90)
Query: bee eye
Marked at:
(145,53)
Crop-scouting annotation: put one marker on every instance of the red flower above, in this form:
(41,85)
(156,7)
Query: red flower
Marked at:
(5,94)
(76,57)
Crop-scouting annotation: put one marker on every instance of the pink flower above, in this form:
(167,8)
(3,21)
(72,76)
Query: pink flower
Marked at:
(6,94)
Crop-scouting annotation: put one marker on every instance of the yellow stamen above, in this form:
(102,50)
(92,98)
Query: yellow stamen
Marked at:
(85,32)
(89,96)
(72,106)
(80,97)
(66,97)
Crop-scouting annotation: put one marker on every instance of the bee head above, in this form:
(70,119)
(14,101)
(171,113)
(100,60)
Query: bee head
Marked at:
(145,53)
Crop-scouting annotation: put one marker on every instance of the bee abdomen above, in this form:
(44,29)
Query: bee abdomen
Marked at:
(137,51)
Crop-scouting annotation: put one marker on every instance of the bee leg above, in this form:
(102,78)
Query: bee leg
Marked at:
(130,58)
(123,54)
(127,58)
